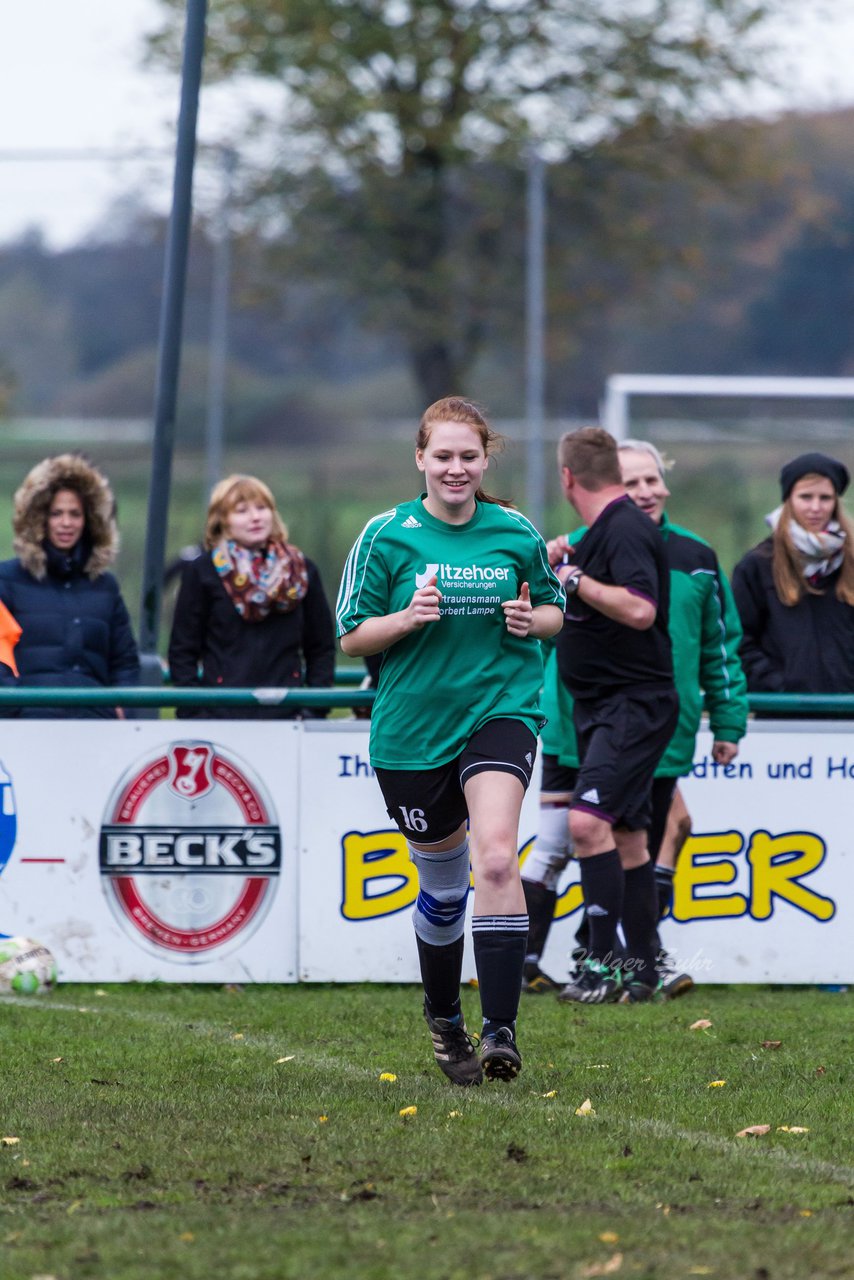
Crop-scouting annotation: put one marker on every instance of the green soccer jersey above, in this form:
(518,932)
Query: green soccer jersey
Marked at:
(440,684)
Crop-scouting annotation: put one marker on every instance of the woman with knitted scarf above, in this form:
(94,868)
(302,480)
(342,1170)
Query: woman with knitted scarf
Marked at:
(251,611)
(795,590)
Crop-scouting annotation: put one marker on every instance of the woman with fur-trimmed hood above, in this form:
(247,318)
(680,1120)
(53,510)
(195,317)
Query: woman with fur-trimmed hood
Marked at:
(75,628)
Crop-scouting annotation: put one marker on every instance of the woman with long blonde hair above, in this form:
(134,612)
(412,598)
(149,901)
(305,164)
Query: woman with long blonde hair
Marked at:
(251,611)
(795,590)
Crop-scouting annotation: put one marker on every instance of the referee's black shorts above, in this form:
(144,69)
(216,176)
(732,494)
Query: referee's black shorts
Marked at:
(621,739)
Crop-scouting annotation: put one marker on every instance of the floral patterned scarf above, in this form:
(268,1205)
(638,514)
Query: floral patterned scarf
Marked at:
(271,579)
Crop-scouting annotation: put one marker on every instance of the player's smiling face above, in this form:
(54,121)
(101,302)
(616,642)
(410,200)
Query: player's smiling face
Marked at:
(453,464)
(643,482)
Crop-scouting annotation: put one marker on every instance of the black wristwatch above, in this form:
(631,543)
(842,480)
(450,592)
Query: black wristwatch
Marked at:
(570,586)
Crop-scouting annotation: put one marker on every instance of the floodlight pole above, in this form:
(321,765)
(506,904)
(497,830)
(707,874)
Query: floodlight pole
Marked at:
(218,344)
(535,272)
(169,342)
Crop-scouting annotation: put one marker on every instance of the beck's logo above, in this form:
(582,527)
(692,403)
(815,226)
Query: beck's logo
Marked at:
(190,852)
(190,776)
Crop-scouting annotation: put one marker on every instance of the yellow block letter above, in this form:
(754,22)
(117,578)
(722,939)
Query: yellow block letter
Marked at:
(377,855)
(691,873)
(777,864)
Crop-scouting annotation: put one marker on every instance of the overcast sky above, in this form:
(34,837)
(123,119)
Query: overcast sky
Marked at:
(70,79)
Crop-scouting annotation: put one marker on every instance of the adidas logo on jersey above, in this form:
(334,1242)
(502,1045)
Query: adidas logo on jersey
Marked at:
(530,759)
(411,523)
(592,795)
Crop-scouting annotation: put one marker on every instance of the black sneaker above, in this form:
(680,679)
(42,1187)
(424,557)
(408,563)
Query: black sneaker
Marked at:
(499,1055)
(673,982)
(454,1050)
(538,983)
(593,983)
(637,992)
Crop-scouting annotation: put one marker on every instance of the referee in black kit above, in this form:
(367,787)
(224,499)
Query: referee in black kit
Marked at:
(614,656)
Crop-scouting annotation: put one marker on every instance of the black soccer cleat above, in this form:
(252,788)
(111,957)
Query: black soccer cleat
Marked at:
(637,992)
(674,983)
(499,1055)
(593,983)
(454,1050)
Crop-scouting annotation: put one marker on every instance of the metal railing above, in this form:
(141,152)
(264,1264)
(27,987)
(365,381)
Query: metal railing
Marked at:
(820,706)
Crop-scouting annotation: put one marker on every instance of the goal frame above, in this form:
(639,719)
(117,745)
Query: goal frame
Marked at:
(620,388)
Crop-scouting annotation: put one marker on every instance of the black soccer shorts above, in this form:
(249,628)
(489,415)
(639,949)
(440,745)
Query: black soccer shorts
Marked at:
(429,804)
(621,739)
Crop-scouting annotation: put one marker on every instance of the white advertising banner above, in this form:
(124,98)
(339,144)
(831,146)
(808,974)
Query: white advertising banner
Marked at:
(139,850)
(764,891)
(221,851)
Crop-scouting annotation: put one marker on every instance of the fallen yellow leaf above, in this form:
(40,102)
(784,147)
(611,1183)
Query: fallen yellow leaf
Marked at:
(408,1111)
(9,1142)
(608,1237)
(586,1108)
(793,1128)
(238,1035)
(717,1084)
(323,1119)
(187,1237)
(289,1058)
(388,1075)
(453,1114)
(56,1059)
(603,1268)
(805,1213)
(552,1093)
(702,1024)
(754,1131)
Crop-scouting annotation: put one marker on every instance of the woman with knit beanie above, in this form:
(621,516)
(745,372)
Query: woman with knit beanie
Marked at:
(795,590)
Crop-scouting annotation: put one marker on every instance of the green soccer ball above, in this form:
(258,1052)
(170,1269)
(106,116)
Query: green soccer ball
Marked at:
(26,967)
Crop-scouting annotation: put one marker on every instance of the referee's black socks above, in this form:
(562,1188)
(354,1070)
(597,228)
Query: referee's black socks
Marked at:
(602,884)
(500,943)
(640,918)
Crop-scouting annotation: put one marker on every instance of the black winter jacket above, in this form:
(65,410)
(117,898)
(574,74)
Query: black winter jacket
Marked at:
(212,646)
(803,648)
(75,631)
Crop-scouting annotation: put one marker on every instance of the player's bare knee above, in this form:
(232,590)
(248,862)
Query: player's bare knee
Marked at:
(587,832)
(495,867)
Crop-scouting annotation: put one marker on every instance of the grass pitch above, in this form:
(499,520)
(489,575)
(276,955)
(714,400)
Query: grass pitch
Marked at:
(168,1131)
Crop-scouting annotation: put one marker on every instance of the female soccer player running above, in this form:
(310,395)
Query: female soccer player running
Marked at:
(454,589)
